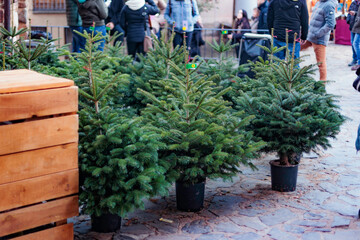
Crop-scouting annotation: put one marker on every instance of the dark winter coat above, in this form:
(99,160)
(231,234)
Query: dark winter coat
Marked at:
(356,27)
(72,14)
(92,11)
(114,11)
(354,6)
(134,21)
(288,14)
(322,22)
(263,8)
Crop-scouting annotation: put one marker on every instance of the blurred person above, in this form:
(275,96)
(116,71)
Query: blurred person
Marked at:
(290,15)
(93,14)
(158,21)
(113,19)
(263,6)
(321,23)
(182,15)
(254,21)
(133,19)
(74,22)
(197,41)
(241,23)
(350,19)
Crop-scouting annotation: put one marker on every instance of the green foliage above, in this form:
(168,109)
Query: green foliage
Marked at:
(294,114)
(152,72)
(203,137)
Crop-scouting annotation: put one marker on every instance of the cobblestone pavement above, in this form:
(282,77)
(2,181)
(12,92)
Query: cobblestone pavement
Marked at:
(324,206)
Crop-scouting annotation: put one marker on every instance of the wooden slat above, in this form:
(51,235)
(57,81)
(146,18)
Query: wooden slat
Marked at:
(25,105)
(25,80)
(38,134)
(38,215)
(63,232)
(35,163)
(35,190)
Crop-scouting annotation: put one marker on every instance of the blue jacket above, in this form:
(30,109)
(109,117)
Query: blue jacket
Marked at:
(134,21)
(322,22)
(263,8)
(182,14)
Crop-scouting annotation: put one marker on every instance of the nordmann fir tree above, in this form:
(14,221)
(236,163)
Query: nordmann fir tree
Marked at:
(294,113)
(204,138)
(152,72)
(226,67)
(118,155)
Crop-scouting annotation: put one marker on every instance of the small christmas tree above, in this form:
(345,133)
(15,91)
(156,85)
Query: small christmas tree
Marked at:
(294,114)
(203,137)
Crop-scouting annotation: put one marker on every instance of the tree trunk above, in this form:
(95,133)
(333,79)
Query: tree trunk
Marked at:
(284,160)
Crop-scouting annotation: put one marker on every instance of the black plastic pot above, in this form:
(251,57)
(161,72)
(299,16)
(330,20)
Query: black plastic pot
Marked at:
(190,198)
(106,223)
(283,178)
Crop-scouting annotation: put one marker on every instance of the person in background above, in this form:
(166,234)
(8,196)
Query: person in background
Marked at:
(321,23)
(254,22)
(93,12)
(182,14)
(350,19)
(290,15)
(74,22)
(241,23)
(356,43)
(263,6)
(133,19)
(158,21)
(197,41)
(113,19)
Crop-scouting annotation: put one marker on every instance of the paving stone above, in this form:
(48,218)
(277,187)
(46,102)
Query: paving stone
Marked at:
(354,192)
(350,200)
(168,237)
(196,227)
(261,204)
(99,236)
(317,197)
(340,208)
(343,235)
(246,236)
(165,227)
(309,223)
(340,222)
(225,205)
(314,216)
(251,222)
(250,212)
(212,237)
(294,229)
(277,217)
(329,187)
(346,181)
(122,237)
(219,183)
(136,229)
(293,204)
(280,235)
(310,155)
(227,227)
(311,236)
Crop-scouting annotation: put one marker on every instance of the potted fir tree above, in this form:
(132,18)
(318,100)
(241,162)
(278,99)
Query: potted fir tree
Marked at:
(294,114)
(204,138)
(118,154)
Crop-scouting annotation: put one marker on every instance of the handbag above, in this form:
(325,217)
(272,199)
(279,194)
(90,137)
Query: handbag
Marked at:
(148,41)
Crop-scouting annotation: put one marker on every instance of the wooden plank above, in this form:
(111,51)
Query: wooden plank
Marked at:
(26,80)
(24,105)
(63,232)
(38,215)
(38,134)
(35,163)
(35,190)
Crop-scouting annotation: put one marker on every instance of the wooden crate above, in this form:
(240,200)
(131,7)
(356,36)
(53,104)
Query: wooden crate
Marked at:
(39,177)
